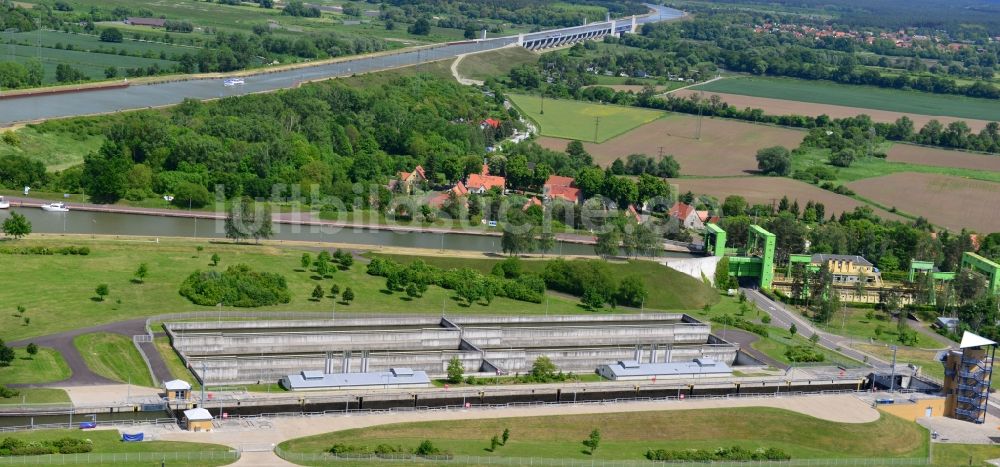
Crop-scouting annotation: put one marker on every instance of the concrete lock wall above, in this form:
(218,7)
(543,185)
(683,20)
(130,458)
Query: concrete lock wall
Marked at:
(474,321)
(572,335)
(420,339)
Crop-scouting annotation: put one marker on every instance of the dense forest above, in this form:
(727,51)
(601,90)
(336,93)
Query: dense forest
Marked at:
(532,12)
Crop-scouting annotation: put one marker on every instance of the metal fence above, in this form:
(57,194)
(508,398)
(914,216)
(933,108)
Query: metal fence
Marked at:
(94,458)
(326,458)
(103,423)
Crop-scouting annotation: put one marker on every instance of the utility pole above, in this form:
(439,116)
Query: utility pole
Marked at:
(661,152)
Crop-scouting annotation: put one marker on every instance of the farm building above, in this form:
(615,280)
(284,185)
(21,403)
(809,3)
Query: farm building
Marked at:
(197,420)
(177,390)
(627,370)
(394,378)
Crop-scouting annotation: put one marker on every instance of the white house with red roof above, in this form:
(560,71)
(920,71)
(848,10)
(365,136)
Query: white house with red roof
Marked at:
(406,181)
(687,215)
(482,182)
(559,187)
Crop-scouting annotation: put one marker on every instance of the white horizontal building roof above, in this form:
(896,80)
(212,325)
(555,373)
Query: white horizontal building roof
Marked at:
(197,415)
(318,380)
(177,385)
(702,366)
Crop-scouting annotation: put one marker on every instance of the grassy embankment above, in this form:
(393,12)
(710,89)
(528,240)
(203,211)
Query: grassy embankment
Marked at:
(582,120)
(57,290)
(867,97)
(45,367)
(109,441)
(496,63)
(113,356)
(629,435)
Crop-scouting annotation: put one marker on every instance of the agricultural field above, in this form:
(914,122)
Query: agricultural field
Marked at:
(943,158)
(768,190)
(792,107)
(495,63)
(726,147)
(868,167)
(57,290)
(865,97)
(91,64)
(628,435)
(582,121)
(945,200)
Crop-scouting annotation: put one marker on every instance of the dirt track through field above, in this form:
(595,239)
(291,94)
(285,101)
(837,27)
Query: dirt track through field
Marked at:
(787,107)
(726,147)
(943,157)
(949,201)
(769,190)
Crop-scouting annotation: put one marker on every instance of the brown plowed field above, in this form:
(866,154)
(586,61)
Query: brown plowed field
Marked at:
(765,190)
(949,201)
(726,147)
(784,107)
(943,157)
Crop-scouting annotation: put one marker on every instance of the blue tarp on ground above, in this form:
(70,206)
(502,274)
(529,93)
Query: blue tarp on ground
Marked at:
(85,425)
(132,438)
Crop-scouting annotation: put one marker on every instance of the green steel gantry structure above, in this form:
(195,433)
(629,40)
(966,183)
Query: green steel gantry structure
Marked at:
(756,260)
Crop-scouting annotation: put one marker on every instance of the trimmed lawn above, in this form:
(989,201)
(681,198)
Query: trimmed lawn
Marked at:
(57,289)
(37,396)
(578,120)
(668,289)
(46,367)
(109,441)
(629,435)
(856,325)
(866,97)
(174,362)
(779,339)
(113,356)
(960,454)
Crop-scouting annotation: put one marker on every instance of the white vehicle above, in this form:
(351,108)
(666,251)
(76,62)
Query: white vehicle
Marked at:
(4,204)
(55,207)
(234,82)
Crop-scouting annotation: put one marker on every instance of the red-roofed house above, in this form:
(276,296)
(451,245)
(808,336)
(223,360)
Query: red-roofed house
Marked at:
(490,122)
(559,187)
(706,217)
(686,215)
(534,201)
(438,200)
(478,183)
(405,181)
(633,214)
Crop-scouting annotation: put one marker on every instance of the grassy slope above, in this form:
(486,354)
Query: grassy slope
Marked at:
(576,119)
(37,396)
(109,441)
(56,150)
(868,167)
(174,362)
(57,289)
(856,325)
(46,367)
(668,289)
(113,356)
(867,97)
(629,435)
(500,62)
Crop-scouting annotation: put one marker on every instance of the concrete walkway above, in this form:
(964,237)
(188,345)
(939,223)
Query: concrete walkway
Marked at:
(835,408)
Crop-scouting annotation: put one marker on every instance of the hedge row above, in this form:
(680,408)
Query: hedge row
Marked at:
(525,288)
(734,453)
(18,447)
(42,250)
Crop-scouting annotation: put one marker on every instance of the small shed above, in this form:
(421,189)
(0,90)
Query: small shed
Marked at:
(198,420)
(177,390)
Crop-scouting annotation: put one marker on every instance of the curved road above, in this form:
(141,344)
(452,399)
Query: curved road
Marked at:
(42,107)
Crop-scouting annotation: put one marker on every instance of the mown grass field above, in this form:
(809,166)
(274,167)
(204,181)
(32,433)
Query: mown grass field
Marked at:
(668,289)
(58,289)
(629,435)
(868,97)
(496,63)
(109,441)
(45,367)
(113,356)
(579,120)
(36,396)
(853,323)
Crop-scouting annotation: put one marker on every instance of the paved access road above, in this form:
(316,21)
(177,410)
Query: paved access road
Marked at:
(42,107)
